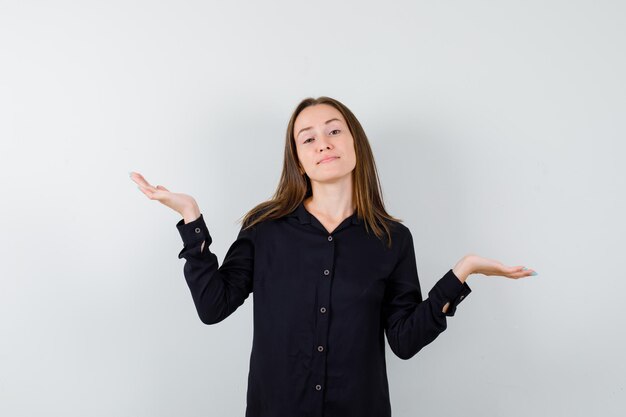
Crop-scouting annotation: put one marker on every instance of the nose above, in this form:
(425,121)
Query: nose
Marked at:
(324,143)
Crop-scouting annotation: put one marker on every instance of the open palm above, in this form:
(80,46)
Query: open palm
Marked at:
(176,201)
(488,267)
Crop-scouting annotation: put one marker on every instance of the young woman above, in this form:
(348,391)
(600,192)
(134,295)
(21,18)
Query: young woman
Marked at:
(331,271)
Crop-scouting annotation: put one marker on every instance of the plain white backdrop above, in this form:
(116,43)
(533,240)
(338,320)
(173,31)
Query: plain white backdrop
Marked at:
(497,128)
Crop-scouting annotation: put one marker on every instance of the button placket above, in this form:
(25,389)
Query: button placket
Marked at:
(321,332)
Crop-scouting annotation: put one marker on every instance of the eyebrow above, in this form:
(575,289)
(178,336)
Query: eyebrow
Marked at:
(311,127)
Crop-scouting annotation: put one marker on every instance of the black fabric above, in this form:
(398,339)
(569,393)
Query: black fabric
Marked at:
(322,305)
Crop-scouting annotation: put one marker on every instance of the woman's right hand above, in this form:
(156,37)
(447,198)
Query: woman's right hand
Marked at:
(183,204)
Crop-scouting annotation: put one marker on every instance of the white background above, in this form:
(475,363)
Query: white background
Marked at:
(497,128)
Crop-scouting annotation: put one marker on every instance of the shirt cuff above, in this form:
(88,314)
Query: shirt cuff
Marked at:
(450,289)
(193,233)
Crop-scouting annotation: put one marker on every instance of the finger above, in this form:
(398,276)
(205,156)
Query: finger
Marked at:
(522,273)
(160,187)
(135,176)
(143,190)
(139,179)
(150,192)
(518,271)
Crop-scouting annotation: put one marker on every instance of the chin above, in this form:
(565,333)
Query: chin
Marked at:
(331,177)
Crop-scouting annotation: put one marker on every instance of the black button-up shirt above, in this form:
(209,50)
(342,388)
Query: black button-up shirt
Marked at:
(322,302)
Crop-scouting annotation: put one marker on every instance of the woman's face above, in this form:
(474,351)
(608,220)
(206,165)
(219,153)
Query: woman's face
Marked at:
(320,132)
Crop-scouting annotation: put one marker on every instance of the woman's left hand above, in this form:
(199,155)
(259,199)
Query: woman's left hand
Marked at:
(486,266)
(474,264)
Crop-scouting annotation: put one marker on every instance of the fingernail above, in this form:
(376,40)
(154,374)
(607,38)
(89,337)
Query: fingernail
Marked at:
(533,273)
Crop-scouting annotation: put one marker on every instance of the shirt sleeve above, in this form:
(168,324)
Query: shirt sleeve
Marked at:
(410,322)
(217,291)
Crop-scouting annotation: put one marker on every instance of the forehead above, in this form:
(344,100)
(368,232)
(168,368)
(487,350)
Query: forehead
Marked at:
(316,115)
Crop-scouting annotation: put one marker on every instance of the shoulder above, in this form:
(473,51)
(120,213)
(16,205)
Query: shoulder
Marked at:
(254,217)
(257,222)
(399,234)
(398,229)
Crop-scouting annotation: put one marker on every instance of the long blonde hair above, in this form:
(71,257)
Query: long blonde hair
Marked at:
(295,186)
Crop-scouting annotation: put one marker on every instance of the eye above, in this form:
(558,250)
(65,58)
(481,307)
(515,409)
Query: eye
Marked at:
(335,130)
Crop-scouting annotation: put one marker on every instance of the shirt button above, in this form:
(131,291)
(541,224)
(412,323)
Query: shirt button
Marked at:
(461,297)
(197,230)
(318,387)
(320,348)
(323,309)
(326,272)
(330,238)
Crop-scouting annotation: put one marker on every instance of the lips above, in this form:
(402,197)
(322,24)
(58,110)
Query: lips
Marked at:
(328,158)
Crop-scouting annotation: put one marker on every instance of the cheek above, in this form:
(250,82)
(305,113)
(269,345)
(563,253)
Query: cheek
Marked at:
(302,155)
(353,156)
(351,151)
(308,159)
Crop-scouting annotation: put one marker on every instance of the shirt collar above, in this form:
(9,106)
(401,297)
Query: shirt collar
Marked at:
(304,216)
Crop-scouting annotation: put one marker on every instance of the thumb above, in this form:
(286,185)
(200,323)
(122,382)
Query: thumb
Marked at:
(160,187)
